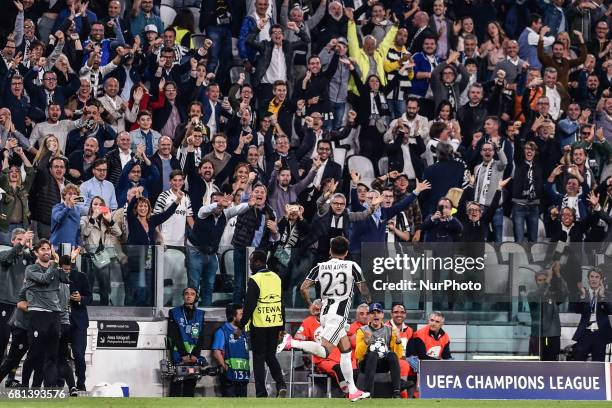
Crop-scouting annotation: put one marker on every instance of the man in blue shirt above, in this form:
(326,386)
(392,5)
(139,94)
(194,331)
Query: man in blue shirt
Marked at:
(142,15)
(98,186)
(230,351)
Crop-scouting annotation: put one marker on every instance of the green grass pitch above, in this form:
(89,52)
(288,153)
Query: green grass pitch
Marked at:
(292,403)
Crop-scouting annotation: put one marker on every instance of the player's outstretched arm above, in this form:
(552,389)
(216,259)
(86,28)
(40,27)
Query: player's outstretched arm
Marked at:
(365,292)
(305,291)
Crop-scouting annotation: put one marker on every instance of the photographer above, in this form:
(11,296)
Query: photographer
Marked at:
(185,337)
(231,352)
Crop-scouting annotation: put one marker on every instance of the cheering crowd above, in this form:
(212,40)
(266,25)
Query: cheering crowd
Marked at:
(279,125)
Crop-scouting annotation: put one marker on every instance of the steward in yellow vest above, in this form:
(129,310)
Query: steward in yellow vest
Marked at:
(264,317)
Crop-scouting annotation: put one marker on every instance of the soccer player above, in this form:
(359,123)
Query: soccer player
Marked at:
(336,278)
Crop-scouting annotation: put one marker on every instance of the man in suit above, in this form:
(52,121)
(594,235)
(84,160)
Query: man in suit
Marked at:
(442,25)
(42,95)
(213,107)
(406,150)
(267,69)
(119,157)
(163,154)
(13,98)
(313,131)
(422,31)
(114,20)
(280,152)
(594,331)
(328,170)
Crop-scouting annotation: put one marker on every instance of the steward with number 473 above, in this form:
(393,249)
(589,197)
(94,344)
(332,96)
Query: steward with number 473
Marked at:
(264,317)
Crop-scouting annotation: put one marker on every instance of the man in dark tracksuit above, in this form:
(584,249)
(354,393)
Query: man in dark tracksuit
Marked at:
(64,370)
(13,263)
(19,343)
(42,289)
(80,297)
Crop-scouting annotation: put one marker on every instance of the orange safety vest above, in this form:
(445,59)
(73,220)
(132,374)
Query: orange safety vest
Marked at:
(433,347)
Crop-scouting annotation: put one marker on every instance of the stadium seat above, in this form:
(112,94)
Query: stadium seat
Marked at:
(196,17)
(174,270)
(383,165)
(340,156)
(363,165)
(198,40)
(167,15)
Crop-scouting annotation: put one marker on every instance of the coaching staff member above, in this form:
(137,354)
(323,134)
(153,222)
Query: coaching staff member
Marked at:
(264,316)
(594,331)
(13,263)
(42,283)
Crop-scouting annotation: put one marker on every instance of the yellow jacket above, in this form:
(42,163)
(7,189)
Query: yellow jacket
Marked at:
(359,55)
(361,348)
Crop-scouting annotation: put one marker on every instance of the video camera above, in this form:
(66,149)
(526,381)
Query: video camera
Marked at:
(181,372)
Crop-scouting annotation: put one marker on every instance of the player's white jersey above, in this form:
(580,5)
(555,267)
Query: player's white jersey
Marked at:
(337,279)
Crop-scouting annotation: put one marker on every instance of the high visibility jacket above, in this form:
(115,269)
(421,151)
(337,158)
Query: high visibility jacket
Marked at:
(268,312)
(433,347)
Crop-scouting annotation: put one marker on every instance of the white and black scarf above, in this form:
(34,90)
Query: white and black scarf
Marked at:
(482,184)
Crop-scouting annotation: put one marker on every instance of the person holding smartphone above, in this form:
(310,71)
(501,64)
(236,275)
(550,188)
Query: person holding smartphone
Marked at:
(65,218)
(99,234)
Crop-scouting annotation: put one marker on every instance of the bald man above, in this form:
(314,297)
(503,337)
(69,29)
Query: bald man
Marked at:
(420,21)
(513,66)
(116,109)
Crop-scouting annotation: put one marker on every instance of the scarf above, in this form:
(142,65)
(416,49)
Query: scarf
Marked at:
(571,202)
(273,108)
(451,96)
(531,190)
(290,235)
(482,185)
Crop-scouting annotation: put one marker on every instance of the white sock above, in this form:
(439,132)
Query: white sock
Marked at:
(347,371)
(310,346)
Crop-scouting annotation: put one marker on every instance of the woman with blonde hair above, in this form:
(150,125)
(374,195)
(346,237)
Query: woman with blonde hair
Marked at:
(48,148)
(99,234)
(240,179)
(14,208)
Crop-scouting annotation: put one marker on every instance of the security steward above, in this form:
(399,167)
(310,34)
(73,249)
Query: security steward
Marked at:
(186,337)
(264,318)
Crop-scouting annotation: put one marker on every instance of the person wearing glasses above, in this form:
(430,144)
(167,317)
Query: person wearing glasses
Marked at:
(98,186)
